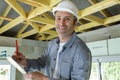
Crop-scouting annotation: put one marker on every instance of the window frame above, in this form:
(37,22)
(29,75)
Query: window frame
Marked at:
(12,68)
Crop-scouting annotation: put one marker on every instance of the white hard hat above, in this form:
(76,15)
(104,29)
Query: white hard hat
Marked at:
(68,6)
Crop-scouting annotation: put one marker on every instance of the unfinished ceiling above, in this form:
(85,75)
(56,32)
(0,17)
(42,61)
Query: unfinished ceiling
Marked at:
(32,19)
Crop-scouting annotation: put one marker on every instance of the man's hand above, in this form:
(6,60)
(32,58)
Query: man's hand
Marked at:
(35,76)
(20,59)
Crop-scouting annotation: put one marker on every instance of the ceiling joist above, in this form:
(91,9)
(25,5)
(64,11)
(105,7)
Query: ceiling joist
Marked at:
(11,24)
(37,11)
(98,7)
(103,12)
(5,13)
(16,7)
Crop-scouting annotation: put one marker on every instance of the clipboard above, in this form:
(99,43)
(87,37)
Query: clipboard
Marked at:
(14,63)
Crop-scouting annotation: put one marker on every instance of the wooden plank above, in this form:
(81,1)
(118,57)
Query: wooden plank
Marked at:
(30,3)
(29,33)
(103,12)
(97,7)
(41,2)
(86,26)
(51,32)
(16,7)
(16,65)
(5,13)
(45,28)
(11,24)
(94,19)
(112,19)
(34,25)
(22,30)
(54,2)
(37,11)
(51,37)
(42,20)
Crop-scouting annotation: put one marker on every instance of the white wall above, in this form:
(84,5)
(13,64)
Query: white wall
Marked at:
(30,48)
(101,34)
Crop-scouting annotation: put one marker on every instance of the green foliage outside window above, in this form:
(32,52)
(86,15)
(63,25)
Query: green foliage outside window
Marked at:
(111,70)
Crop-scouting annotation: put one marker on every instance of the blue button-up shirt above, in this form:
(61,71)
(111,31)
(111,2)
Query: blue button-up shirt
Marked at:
(74,60)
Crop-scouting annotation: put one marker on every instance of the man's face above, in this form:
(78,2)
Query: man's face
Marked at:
(64,23)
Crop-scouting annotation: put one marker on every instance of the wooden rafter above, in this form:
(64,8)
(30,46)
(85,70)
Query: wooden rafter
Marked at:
(98,7)
(94,19)
(28,33)
(16,7)
(103,12)
(5,13)
(37,11)
(22,30)
(11,24)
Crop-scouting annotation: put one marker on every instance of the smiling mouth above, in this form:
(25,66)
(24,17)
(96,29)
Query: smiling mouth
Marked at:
(62,28)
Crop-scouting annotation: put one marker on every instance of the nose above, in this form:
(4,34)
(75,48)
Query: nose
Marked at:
(62,22)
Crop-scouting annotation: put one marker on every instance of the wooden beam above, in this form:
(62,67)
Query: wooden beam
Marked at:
(29,33)
(86,26)
(103,12)
(34,25)
(41,2)
(94,24)
(54,2)
(30,3)
(37,11)
(16,7)
(46,15)
(41,36)
(112,19)
(11,24)
(94,19)
(5,13)
(97,7)
(10,19)
(42,20)
(5,18)
(51,32)
(22,30)
(51,37)
(45,28)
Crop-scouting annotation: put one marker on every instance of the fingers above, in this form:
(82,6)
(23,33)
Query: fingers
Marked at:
(28,76)
(19,58)
(35,76)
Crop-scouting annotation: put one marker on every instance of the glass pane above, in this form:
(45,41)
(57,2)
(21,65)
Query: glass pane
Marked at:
(110,70)
(94,72)
(4,72)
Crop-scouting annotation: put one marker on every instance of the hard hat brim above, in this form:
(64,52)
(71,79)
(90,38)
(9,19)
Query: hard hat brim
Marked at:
(63,9)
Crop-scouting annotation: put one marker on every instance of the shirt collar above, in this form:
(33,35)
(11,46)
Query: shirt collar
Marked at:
(70,41)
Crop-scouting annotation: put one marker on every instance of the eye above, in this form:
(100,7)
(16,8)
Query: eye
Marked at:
(67,18)
(58,18)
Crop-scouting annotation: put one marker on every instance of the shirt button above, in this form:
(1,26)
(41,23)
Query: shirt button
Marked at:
(54,59)
(51,69)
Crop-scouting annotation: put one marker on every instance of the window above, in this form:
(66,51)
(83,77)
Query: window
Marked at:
(7,71)
(94,72)
(108,68)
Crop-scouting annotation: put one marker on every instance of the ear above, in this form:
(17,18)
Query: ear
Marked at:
(75,23)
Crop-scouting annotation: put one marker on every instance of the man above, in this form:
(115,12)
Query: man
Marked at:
(67,57)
